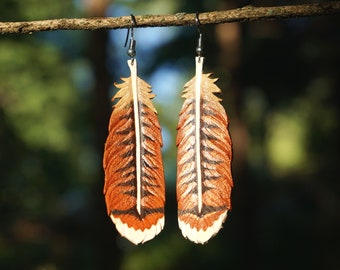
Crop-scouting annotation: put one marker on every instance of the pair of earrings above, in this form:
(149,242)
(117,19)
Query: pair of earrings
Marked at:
(134,179)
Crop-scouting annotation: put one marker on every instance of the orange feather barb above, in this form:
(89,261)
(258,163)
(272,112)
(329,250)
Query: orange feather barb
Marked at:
(134,178)
(204,179)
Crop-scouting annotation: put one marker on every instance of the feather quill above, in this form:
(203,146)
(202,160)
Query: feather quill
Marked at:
(204,179)
(134,178)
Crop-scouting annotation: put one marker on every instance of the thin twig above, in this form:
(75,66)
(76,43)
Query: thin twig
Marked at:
(248,13)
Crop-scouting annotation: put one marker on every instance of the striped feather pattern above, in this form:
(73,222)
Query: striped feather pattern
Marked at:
(204,179)
(134,179)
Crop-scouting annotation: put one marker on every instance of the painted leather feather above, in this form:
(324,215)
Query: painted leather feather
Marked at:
(134,179)
(204,179)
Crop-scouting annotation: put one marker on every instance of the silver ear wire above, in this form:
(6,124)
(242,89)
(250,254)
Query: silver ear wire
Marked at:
(199,48)
(132,46)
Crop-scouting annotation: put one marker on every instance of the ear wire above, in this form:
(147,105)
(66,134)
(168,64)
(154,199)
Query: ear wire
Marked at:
(199,48)
(132,46)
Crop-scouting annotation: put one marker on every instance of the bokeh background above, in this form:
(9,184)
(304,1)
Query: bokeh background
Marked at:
(281,90)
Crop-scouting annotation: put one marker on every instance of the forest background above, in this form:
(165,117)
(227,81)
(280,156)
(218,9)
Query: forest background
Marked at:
(280,83)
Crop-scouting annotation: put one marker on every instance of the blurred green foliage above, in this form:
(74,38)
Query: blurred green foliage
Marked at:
(280,87)
(40,80)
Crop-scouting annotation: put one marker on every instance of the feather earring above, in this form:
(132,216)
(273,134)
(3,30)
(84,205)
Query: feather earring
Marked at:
(134,179)
(204,179)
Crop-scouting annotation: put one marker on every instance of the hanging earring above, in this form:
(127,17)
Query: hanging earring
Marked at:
(204,179)
(134,178)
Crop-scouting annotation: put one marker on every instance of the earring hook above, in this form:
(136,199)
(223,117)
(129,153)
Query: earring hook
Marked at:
(198,22)
(199,48)
(132,46)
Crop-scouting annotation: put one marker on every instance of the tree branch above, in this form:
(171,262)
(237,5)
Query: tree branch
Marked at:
(248,13)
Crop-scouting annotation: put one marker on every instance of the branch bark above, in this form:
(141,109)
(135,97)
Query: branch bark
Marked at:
(248,13)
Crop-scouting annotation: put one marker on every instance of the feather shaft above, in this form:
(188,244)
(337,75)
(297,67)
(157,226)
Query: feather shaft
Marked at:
(198,81)
(133,69)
